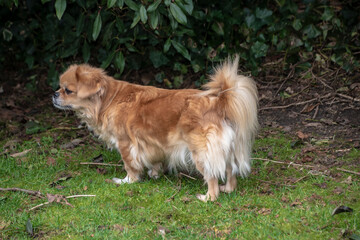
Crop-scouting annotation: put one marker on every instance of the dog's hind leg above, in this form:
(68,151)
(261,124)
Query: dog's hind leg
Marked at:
(212,182)
(231,180)
(155,171)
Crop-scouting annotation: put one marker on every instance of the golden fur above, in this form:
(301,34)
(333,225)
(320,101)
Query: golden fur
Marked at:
(157,128)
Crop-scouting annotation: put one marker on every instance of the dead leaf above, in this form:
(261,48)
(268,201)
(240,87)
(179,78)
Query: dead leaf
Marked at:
(296,203)
(4,224)
(321,185)
(313,124)
(342,209)
(51,161)
(20,154)
(308,108)
(74,143)
(264,211)
(98,159)
(328,121)
(163,230)
(109,180)
(185,199)
(301,135)
(338,190)
(85,188)
(348,180)
(61,179)
(51,197)
(284,199)
(118,227)
(101,171)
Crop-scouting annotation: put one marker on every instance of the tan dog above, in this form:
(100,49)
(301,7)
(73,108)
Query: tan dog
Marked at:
(157,128)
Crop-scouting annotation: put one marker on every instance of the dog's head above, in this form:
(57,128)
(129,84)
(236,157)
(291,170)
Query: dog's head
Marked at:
(79,85)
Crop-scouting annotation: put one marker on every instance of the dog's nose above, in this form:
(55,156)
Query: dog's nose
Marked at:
(56,94)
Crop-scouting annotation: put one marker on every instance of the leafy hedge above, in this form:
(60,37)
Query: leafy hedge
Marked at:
(180,34)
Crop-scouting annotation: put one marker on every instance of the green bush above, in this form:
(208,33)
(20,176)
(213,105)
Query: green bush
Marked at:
(180,34)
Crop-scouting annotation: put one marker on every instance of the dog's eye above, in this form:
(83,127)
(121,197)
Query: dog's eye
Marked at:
(67,91)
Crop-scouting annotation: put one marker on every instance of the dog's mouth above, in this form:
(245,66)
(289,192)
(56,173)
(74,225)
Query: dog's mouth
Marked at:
(58,105)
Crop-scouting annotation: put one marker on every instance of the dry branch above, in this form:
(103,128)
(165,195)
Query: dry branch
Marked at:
(285,163)
(296,103)
(74,196)
(31,192)
(101,164)
(348,171)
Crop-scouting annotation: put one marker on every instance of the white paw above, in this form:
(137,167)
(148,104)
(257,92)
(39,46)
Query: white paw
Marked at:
(152,175)
(122,181)
(203,198)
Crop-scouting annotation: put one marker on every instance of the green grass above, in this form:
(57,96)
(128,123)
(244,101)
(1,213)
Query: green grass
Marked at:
(262,207)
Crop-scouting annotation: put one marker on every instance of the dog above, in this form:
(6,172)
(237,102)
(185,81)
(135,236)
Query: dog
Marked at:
(211,129)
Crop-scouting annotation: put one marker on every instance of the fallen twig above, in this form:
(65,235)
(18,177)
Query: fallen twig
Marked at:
(183,174)
(285,163)
(348,171)
(277,184)
(45,203)
(20,154)
(31,192)
(102,164)
(296,103)
(348,97)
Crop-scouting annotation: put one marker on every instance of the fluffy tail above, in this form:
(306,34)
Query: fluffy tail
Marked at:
(238,99)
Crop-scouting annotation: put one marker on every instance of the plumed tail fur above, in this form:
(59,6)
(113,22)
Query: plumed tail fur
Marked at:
(238,98)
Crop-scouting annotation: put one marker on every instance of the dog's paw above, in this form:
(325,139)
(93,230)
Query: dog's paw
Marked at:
(203,198)
(224,189)
(121,181)
(152,174)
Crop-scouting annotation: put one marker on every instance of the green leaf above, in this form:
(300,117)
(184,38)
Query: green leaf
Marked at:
(135,20)
(297,24)
(120,3)
(29,227)
(178,14)
(154,6)
(263,13)
(154,19)
(97,27)
(60,6)
(218,28)
(311,31)
(160,77)
(132,5)
(327,14)
(181,49)
(173,23)
(86,51)
(32,127)
(167,2)
(186,5)
(119,62)
(111,3)
(107,61)
(158,59)
(259,49)
(130,47)
(80,24)
(30,61)
(178,80)
(143,15)
(7,35)
(167,45)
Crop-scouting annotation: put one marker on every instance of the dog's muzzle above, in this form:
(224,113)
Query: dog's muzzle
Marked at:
(57,102)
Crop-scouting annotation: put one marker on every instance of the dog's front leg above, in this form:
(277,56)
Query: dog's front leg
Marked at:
(132,167)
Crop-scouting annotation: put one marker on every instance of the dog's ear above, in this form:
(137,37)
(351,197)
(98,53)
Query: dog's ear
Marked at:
(89,80)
